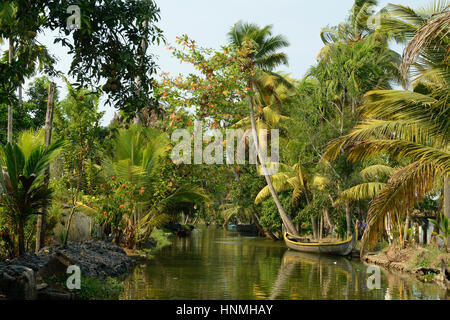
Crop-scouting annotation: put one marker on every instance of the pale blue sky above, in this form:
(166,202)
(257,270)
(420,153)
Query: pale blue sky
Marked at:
(208,21)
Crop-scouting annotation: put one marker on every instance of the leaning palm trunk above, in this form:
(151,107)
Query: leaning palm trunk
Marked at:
(286,220)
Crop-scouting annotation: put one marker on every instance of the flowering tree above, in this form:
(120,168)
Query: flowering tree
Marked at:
(226,78)
(116,202)
(215,92)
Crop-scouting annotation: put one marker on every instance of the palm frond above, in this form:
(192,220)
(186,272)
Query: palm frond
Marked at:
(375,171)
(363,191)
(426,35)
(406,186)
(399,149)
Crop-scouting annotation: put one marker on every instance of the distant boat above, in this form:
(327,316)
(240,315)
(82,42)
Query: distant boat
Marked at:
(231,227)
(341,248)
(247,229)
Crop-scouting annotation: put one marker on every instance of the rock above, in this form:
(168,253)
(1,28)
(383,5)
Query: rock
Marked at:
(95,258)
(30,260)
(17,282)
(56,265)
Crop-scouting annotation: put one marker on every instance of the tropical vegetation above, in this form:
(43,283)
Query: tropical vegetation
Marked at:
(363,135)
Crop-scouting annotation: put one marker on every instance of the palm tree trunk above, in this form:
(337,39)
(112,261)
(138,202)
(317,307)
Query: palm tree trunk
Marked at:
(321,228)
(405,231)
(425,232)
(348,217)
(286,220)
(314,227)
(20,96)
(41,224)
(21,237)
(447,196)
(10,107)
(327,222)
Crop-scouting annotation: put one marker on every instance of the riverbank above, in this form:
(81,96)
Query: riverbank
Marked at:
(426,264)
(102,264)
(42,276)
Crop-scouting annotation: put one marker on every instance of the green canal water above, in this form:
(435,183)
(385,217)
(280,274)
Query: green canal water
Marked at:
(217,264)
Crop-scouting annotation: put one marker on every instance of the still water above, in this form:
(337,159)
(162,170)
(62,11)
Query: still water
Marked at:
(217,264)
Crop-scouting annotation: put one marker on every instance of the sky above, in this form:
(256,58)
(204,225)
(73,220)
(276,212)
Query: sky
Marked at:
(208,21)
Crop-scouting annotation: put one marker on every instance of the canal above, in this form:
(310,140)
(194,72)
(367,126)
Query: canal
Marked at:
(214,263)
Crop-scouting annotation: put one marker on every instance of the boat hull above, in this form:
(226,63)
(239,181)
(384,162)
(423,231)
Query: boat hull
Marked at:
(247,229)
(341,248)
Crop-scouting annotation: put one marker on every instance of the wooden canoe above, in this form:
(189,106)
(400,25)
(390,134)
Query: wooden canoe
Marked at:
(341,248)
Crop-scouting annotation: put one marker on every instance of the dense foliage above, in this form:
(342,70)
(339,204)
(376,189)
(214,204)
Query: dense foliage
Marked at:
(351,148)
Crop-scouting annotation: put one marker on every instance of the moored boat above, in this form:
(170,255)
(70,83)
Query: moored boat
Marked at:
(342,248)
(247,229)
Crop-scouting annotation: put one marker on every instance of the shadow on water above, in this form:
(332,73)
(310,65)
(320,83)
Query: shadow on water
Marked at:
(217,264)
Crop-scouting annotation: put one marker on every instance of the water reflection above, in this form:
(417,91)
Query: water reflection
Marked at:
(217,264)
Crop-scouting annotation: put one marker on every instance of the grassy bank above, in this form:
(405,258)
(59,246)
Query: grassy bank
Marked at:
(90,288)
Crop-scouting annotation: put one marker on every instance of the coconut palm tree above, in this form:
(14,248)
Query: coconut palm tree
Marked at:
(22,187)
(265,57)
(356,28)
(375,176)
(297,179)
(375,179)
(273,90)
(412,125)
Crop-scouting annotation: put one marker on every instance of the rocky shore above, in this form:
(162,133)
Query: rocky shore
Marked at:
(402,260)
(24,277)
